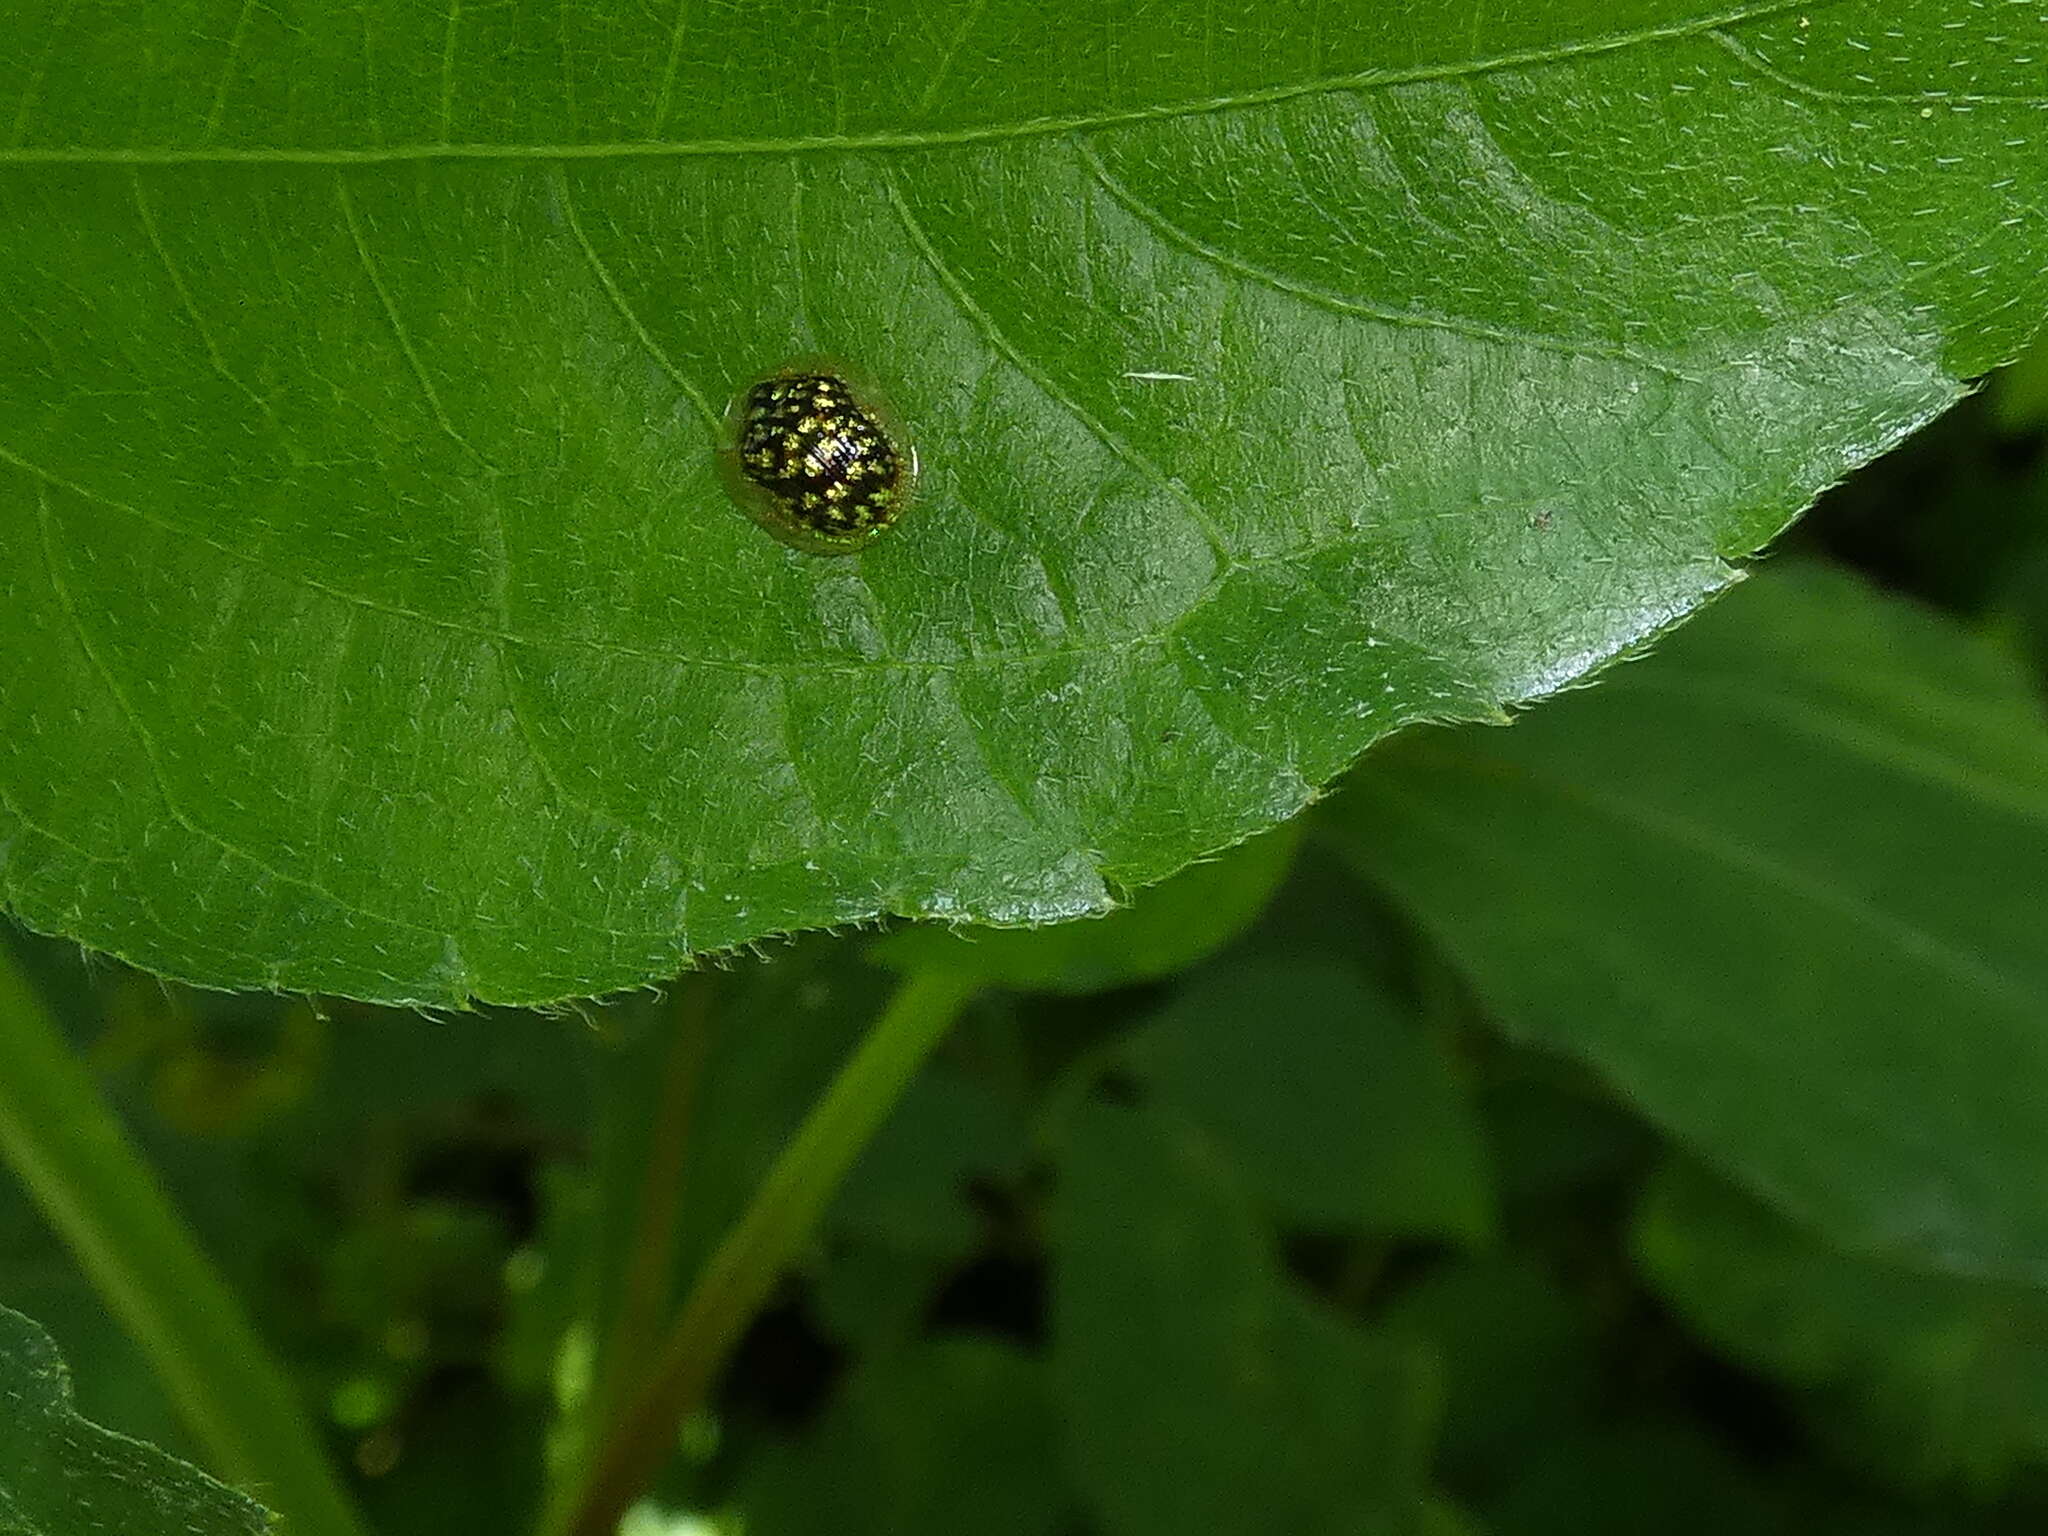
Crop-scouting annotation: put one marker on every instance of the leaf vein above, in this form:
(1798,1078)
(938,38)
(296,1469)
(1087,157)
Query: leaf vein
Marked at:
(1813,719)
(144,900)
(1321,298)
(227,70)
(982,321)
(1717,845)
(1039,127)
(944,69)
(146,741)
(1753,60)
(178,285)
(666,99)
(448,67)
(34,87)
(544,764)
(626,312)
(1120,646)
(405,345)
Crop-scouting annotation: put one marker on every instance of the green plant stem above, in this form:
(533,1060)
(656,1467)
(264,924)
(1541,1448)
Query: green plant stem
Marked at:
(740,1274)
(64,1142)
(647,1283)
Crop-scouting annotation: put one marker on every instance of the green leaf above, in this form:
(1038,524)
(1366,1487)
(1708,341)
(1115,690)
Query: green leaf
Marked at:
(1677,1479)
(63,1476)
(1927,1378)
(953,1435)
(908,1187)
(1518,1362)
(1166,929)
(870,1297)
(1776,885)
(1628,1479)
(1556,1140)
(376,620)
(1200,1392)
(1441,1518)
(77,1161)
(2020,398)
(905,1217)
(114,1384)
(1325,1098)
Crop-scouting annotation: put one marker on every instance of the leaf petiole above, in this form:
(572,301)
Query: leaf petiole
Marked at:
(753,1254)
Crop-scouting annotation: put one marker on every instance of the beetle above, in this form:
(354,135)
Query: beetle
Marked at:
(815,457)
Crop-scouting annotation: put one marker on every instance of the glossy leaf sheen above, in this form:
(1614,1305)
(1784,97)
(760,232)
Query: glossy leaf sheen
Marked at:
(373,618)
(1772,883)
(63,1476)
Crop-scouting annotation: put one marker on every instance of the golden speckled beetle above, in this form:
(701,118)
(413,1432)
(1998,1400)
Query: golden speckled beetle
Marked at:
(813,455)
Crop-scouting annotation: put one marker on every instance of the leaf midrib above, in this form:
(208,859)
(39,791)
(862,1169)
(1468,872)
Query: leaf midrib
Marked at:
(904,139)
(806,666)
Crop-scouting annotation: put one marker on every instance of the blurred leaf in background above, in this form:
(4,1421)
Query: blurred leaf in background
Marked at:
(1198,1388)
(954,1435)
(1777,883)
(1927,1379)
(1328,1100)
(61,1475)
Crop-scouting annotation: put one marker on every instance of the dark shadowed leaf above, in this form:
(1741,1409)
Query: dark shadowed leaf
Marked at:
(953,1435)
(1639,1478)
(1680,1479)
(909,1186)
(1518,1359)
(907,1215)
(2021,396)
(1199,1391)
(1325,1096)
(1442,1518)
(1926,1379)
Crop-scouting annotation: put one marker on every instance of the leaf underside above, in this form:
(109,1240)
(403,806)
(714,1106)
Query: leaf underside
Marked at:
(375,622)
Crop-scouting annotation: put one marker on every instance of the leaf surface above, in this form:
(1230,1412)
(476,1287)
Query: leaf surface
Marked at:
(953,1434)
(1165,929)
(1333,1106)
(63,1476)
(1927,1380)
(375,621)
(1198,1388)
(1778,885)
